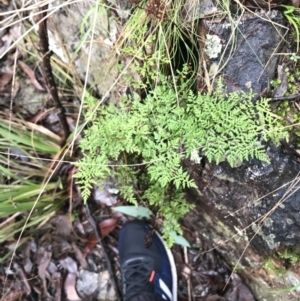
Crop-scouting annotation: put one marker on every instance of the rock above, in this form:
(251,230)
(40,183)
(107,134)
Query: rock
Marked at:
(96,284)
(87,283)
(69,31)
(240,212)
(248,50)
(195,9)
(122,8)
(29,99)
(292,278)
(106,290)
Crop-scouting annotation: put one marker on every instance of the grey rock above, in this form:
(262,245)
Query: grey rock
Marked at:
(249,50)
(87,283)
(97,285)
(106,290)
(28,99)
(65,37)
(248,212)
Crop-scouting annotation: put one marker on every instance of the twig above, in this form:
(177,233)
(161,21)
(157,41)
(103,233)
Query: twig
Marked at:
(186,260)
(289,97)
(48,75)
(98,235)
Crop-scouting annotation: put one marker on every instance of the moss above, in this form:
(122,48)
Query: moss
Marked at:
(280,262)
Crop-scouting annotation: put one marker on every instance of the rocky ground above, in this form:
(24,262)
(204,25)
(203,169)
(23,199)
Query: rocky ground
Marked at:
(64,259)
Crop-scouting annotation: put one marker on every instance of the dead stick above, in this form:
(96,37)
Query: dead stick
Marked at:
(48,75)
(106,257)
(282,98)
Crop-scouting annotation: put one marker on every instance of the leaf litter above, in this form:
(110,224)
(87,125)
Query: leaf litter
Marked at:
(47,265)
(64,260)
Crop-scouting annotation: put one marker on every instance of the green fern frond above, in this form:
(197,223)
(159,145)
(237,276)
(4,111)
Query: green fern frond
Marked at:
(165,128)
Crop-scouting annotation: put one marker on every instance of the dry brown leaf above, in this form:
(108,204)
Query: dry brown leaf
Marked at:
(25,284)
(27,263)
(8,92)
(44,258)
(69,287)
(56,284)
(5,79)
(13,296)
(37,117)
(6,41)
(31,76)
(296,3)
(6,2)
(79,256)
(63,225)
(104,227)
(71,123)
(239,291)
(70,282)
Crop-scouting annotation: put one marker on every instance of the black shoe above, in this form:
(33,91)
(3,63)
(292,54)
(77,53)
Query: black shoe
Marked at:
(147,265)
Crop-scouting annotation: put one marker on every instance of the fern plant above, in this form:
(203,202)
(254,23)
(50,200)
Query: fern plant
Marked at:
(148,140)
